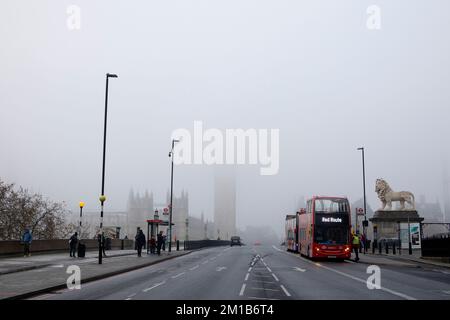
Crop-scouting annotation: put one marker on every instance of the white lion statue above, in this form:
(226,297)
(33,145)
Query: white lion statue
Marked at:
(387,195)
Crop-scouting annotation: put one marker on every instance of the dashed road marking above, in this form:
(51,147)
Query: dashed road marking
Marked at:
(299,269)
(205,262)
(193,268)
(241,293)
(250,269)
(178,275)
(274,276)
(262,298)
(246,276)
(285,291)
(265,289)
(270,270)
(154,286)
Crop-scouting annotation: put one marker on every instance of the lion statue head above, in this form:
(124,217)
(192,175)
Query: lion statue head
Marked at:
(381,188)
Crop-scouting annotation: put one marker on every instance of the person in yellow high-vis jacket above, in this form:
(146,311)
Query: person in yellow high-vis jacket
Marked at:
(355,245)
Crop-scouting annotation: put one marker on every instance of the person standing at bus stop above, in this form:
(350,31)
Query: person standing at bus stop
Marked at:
(159,242)
(355,245)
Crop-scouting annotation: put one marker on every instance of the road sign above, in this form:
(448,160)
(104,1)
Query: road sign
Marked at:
(360,211)
(165,211)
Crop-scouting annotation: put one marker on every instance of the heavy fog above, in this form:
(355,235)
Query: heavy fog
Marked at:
(312,69)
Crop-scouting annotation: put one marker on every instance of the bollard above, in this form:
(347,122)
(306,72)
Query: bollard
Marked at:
(393,249)
(379,248)
(121,245)
(373,248)
(178,245)
(387,248)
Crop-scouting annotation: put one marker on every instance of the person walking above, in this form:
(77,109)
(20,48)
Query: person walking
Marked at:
(363,243)
(73,242)
(140,242)
(355,245)
(164,242)
(26,240)
(160,242)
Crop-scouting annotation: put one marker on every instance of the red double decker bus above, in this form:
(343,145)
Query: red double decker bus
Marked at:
(324,228)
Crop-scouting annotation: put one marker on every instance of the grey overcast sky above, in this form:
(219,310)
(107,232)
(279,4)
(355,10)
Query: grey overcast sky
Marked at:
(309,68)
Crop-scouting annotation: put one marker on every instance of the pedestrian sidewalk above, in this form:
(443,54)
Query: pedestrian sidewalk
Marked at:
(52,271)
(37,261)
(403,259)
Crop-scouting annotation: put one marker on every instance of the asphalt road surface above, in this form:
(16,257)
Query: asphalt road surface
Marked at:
(262,272)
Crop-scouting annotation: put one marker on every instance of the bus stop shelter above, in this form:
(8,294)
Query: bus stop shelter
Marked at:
(153,229)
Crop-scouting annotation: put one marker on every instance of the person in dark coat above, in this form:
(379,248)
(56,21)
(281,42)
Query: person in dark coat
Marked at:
(73,242)
(140,242)
(152,245)
(26,241)
(160,242)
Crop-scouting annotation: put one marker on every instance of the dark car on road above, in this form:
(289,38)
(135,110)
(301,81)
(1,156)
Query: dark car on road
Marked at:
(235,241)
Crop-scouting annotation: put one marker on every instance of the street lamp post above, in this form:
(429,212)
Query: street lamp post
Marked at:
(81,215)
(171,195)
(102,196)
(365,207)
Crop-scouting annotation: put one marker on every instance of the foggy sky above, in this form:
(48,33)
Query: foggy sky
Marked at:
(309,68)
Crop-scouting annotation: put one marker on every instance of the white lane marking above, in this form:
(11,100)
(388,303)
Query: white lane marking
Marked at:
(178,275)
(153,287)
(253,263)
(204,262)
(262,298)
(274,276)
(270,270)
(299,269)
(399,294)
(348,261)
(264,264)
(220,268)
(246,276)
(241,293)
(250,269)
(265,289)
(128,299)
(195,267)
(57,266)
(259,281)
(131,295)
(277,249)
(285,291)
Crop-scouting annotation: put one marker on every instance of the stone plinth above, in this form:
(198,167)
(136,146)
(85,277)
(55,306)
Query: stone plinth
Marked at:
(386,225)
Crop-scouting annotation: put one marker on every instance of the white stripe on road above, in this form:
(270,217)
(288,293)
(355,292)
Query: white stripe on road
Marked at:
(399,294)
(242,290)
(250,269)
(268,269)
(285,291)
(153,287)
(262,298)
(204,262)
(277,249)
(246,276)
(178,275)
(193,268)
(265,289)
(274,276)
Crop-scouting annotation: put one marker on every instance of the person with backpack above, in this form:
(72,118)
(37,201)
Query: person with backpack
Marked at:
(73,242)
(26,241)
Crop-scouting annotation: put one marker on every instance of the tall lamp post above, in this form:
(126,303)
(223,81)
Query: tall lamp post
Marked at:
(81,215)
(171,195)
(365,207)
(102,197)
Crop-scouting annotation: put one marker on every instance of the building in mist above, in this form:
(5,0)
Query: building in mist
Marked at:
(139,210)
(446,192)
(431,211)
(225,203)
